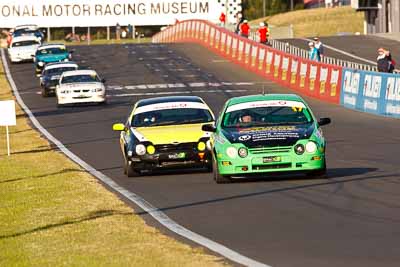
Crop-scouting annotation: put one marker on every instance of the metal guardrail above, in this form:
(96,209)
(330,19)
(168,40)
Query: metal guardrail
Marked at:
(294,50)
(286,32)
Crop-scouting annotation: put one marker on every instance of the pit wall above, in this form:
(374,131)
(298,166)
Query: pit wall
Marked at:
(315,79)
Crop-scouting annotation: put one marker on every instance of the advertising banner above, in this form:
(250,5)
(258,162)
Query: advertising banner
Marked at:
(372,92)
(83,13)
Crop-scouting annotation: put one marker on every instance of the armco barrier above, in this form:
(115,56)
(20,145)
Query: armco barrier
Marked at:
(322,81)
(372,92)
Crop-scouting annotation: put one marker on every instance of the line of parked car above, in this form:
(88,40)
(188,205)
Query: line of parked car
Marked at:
(59,76)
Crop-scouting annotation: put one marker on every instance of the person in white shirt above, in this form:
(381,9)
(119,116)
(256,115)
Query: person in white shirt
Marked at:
(320,47)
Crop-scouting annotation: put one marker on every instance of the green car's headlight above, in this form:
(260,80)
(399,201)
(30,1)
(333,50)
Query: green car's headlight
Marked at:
(140,150)
(231,152)
(41,64)
(311,147)
(299,149)
(243,152)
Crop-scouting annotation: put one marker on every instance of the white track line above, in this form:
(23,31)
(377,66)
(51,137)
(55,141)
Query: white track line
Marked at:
(344,52)
(179,92)
(157,214)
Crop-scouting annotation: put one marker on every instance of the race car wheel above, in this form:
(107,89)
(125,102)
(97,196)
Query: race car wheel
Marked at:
(128,169)
(44,93)
(218,178)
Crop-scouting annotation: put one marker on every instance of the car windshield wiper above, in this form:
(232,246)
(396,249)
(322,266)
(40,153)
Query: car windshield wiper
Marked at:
(199,120)
(286,123)
(163,123)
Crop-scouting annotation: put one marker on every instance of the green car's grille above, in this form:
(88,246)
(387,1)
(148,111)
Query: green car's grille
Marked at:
(270,150)
(272,166)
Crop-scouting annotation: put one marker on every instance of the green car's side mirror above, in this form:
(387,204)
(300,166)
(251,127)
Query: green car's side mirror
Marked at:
(208,128)
(118,127)
(324,121)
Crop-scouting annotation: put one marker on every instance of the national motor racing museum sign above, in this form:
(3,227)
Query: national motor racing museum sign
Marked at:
(62,13)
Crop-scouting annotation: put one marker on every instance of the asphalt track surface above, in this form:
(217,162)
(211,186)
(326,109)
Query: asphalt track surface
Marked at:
(363,46)
(351,219)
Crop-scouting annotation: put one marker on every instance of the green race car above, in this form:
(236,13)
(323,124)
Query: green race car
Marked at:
(262,134)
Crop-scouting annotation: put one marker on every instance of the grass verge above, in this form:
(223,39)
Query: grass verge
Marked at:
(319,21)
(52,213)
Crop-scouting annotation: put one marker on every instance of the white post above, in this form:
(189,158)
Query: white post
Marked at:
(88,36)
(8,141)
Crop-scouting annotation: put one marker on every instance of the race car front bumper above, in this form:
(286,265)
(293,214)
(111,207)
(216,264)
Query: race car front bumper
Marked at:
(82,97)
(172,160)
(21,58)
(267,162)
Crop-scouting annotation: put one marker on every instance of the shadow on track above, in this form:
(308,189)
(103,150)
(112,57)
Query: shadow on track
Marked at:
(340,172)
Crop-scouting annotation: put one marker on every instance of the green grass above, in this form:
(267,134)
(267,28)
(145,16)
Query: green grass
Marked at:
(319,21)
(52,213)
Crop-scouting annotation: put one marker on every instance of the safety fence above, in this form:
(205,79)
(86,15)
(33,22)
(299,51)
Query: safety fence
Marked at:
(372,92)
(316,79)
(291,49)
(308,77)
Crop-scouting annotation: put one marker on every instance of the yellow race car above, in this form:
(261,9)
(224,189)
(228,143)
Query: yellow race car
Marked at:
(166,132)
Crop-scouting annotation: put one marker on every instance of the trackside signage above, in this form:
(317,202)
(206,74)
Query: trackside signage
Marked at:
(7,118)
(372,92)
(7,113)
(61,13)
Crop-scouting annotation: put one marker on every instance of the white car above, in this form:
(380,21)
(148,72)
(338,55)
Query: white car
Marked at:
(32,27)
(80,86)
(22,48)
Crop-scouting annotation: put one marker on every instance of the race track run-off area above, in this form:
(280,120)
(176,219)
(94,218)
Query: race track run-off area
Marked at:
(350,219)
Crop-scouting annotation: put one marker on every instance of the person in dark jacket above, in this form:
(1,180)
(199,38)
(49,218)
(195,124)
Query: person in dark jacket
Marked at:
(239,19)
(383,60)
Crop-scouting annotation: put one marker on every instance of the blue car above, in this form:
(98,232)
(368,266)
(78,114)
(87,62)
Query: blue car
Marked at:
(51,74)
(50,53)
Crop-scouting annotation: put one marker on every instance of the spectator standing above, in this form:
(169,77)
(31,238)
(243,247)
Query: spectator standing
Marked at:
(313,52)
(263,33)
(222,19)
(245,29)
(320,47)
(384,61)
(118,31)
(239,21)
(392,63)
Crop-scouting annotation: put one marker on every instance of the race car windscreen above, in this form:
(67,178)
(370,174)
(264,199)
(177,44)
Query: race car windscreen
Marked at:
(171,117)
(58,71)
(82,78)
(267,116)
(51,51)
(25,43)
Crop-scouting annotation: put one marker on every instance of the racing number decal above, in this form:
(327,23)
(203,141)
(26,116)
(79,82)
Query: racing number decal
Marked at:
(297,109)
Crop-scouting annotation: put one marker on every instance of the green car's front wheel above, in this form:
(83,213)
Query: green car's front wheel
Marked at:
(218,178)
(128,169)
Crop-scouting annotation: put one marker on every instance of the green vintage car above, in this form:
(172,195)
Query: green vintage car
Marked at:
(263,134)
